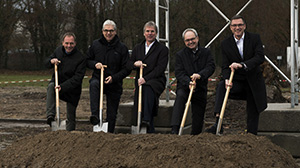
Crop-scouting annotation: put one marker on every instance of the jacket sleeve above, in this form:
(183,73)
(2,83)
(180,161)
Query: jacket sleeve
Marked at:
(91,62)
(258,55)
(161,64)
(209,68)
(119,76)
(180,72)
(76,80)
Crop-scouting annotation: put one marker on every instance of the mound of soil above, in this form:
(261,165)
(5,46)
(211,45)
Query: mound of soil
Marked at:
(88,149)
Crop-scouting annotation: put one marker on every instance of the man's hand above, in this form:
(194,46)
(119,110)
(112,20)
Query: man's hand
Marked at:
(98,65)
(192,84)
(141,81)
(235,66)
(108,80)
(58,87)
(138,64)
(54,61)
(195,76)
(227,84)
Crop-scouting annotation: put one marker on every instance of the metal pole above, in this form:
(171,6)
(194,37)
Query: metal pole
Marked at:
(296,53)
(292,55)
(228,21)
(276,68)
(157,17)
(167,44)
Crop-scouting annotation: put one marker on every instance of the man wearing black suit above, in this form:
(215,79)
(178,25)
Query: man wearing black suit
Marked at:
(193,63)
(243,53)
(155,56)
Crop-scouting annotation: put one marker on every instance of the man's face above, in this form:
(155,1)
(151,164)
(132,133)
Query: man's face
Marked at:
(150,34)
(237,27)
(190,40)
(69,43)
(109,32)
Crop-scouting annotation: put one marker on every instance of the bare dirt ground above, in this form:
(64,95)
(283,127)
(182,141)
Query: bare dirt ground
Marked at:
(25,145)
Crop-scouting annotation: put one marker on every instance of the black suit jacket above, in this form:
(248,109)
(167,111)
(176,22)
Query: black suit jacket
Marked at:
(156,60)
(187,64)
(253,58)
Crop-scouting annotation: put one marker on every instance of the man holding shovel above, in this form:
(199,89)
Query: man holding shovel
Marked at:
(193,63)
(155,56)
(71,70)
(242,53)
(107,50)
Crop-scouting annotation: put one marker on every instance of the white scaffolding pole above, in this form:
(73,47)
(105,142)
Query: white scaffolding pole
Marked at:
(294,53)
(166,39)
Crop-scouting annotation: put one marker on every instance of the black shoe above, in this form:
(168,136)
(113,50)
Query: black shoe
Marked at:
(213,129)
(146,124)
(94,120)
(175,129)
(50,119)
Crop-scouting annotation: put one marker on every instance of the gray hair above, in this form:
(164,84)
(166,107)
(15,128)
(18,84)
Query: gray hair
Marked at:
(68,34)
(150,24)
(189,29)
(109,22)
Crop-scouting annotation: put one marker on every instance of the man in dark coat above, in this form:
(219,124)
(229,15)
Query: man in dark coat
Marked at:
(155,56)
(243,53)
(109,51)
(71,70)
(193,63)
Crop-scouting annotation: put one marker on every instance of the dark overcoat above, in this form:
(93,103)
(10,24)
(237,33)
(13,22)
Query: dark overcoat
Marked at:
(115,55)
(71,71)
(154,73)
(188,63)
(253,57)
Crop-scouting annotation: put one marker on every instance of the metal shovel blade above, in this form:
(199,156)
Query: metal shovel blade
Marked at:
(137,130)
(58,125)
(101,127)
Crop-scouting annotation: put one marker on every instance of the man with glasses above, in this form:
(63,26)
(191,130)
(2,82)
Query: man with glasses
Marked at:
(71,65)
(193,63)
(109,51)
(243,53)
(155,56)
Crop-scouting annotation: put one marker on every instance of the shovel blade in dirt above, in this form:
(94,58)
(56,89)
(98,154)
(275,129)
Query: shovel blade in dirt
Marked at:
(58,125)
(138,130)
(100,127)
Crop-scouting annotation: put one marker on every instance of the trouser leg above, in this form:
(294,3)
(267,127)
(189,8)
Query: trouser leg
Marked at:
(252,114)
(71,117)
(50,100)
(113,100)
(198,110)
(94,96)
(178,109)
(149,105)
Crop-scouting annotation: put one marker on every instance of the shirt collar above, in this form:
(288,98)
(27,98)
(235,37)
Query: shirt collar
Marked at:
(236,40)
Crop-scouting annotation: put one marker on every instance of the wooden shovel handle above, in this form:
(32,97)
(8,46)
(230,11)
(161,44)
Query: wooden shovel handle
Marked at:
(101,85)
(224,104)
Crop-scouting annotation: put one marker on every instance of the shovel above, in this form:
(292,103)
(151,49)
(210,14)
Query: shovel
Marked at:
(138,129)
(58,124)
(101,126)
(224,104)
(186,109)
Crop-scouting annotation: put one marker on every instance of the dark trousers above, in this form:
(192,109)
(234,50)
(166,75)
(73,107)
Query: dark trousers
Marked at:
(239,91)
(198,103)
(148,106)
(51,108)
(112,103)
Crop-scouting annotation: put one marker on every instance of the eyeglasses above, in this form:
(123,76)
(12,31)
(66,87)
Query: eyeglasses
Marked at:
(106,31)
(237,25)
(191,39)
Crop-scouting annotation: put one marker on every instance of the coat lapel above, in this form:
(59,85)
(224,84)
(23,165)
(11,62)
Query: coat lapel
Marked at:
(151,49)
(246,45)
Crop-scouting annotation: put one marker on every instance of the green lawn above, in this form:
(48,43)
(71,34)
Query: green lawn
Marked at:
(27,80)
